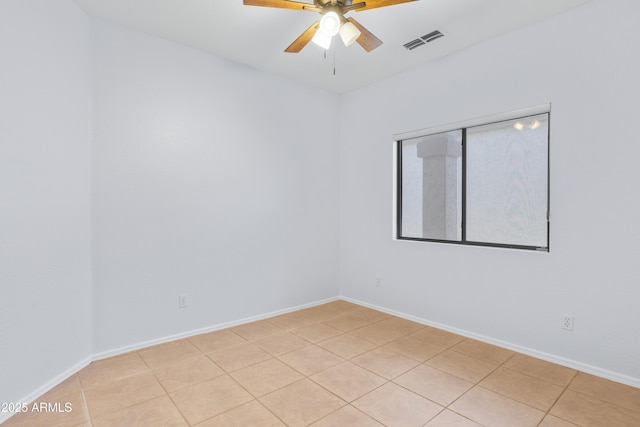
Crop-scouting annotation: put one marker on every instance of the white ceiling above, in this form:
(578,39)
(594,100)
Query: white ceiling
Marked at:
(257,36)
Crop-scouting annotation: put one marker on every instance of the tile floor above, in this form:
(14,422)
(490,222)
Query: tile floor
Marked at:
(337,364)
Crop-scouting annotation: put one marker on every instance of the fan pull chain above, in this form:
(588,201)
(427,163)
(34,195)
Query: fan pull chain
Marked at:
(334,60)
(324,52)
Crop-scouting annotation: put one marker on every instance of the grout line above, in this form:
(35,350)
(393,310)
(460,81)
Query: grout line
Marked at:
(231,409)
(566,387)
(270,411)
(178,409)
(85,406)
(332,315)
(131,404)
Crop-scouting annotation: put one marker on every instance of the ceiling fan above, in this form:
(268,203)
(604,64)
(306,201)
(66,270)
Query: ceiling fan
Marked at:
(332,21)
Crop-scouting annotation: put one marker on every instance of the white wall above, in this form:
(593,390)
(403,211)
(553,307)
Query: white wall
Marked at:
(45,232)
(585,63)
(215,180)
(210,179)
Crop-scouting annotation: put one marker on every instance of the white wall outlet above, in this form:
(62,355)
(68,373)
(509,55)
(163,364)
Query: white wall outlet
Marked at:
(378,282)
(567,322)
(183,301)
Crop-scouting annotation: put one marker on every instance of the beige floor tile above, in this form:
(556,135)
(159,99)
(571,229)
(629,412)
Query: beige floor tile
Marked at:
(427,368)
(291,321)
(393,406)
(170,352)
(208,399)
(523,388)
(347,322)
(618,394)
(370,314)
(36,420)
(348,381)
(265,377)
(347,416)
(184,373)
(328,311)
(588,411)
(156,412)
(310,316)
(281,343)
(301,403)
(69,386)
(538,368)
(347,346)
(448,418)
(217,340)
(251,414)
(437,336)
(64,410)
(122,393)
(23,419)
(434,384)
(241,356)
(321,313)
(311,360)
(488,408)
(316,332)
(415,348)
(463,366)
(342,305)
(386,363)
(483,351)
(107,370)
(378,335)
(551,421)
(401,325)
(256,330)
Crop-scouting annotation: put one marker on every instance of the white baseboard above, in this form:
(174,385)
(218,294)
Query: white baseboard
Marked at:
(589,369)
(594,370)
(34,395)
(118,351)
(182,335)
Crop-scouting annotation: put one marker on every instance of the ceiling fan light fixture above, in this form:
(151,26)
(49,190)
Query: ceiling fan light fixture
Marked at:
(330,23)
(527,125)
(349,33)
(322,40)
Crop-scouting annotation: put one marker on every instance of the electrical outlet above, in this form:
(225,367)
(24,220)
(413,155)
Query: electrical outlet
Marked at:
(378,282)
(183,301)
(567,322)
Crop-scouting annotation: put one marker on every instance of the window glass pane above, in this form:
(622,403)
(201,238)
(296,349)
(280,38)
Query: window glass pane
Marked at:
(506,182)
(432,187)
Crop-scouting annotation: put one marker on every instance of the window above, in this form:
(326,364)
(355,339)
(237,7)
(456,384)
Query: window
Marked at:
(480,182)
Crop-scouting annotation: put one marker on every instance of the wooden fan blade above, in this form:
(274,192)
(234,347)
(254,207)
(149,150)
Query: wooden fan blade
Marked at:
(304,38)
(373,4)
(367,40)
(282,4)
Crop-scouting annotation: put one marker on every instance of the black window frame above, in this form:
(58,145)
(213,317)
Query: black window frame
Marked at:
(518,115)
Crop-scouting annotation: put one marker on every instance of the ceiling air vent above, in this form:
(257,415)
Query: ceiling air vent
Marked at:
(427,38)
